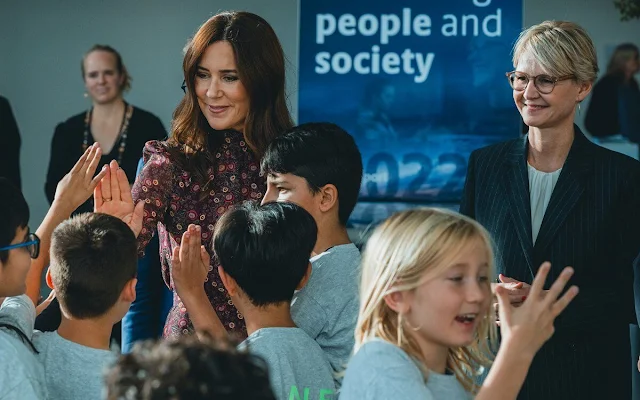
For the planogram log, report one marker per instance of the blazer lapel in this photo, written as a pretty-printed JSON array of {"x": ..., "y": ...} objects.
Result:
[
  {"x": 516, "y": 182},
  {"x": 568, "y": 189}
]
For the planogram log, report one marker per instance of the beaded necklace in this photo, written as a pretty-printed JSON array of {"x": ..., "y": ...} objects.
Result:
[{"x": 123, "y": 130}]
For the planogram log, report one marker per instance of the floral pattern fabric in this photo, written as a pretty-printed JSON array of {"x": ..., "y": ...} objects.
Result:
[{"x": 173, "y": 201}]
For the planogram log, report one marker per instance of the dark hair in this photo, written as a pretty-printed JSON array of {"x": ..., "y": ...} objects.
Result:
[
  {"x": 93, "y": 256},
  {"x": 261, "y": 68},
  {"x": 122, "y": 70},
  {"x": 266, "y": 248},
  {"x": 322, "y": 154},
  {"x": 15, "y": 214},
  {"x": 188, "y": 369}
]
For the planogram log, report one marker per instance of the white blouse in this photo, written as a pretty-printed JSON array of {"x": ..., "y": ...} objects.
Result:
[{"x": 541, "y": 186}]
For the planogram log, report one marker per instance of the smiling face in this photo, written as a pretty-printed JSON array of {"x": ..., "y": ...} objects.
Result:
[
  {"x": 547, "y": 110},
  {"x": 221, "y": 95},
  {"x": 13, "y": 272},
  {"x": 445, "y": 311},
  {"x": 102, "y": 79}
]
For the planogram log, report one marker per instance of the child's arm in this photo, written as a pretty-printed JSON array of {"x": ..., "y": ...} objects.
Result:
[
  {"x": 524, "y": 330},
  {"x": 189, "y": 268},
  {"x": 73, "y": 190}
]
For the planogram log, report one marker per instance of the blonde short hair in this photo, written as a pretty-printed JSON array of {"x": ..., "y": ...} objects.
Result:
[
  {"x": 407, "y": 248},
  {"x": 561, "y": 47}
]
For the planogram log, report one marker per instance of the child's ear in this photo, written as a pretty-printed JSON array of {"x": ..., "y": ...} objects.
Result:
[
  {"x": 128, "y": 293},
  {"x": 398, "y": 302},
  {"x": 228, "y": 282},
  {"x": 49, "y": 280},
  {"x": 305, "y": 278},
  {"x": 328, "y": 197}
]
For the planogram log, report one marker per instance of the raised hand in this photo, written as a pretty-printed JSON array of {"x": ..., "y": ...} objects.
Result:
[
  {"x": 78, "y": 184},
  {"x": 189, "y": 263},
  {"x": 528, "y": 327},
  {"x": 113, "y": 196}
]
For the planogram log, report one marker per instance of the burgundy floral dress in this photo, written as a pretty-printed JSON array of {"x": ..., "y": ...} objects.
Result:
[{"x": 173, "y": 202}]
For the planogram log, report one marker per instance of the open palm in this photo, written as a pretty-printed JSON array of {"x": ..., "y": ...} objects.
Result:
[{"x": 113, "y": 196}]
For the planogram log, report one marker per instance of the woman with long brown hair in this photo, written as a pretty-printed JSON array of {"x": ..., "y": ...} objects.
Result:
[
  {"x": 615, "y": 102},
  {"x": 234, "y": 104}
]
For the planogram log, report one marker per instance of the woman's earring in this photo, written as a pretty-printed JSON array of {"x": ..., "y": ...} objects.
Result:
[{"x": 86, "y": 95}]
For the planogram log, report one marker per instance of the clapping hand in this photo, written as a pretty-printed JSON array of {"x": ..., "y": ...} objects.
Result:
[
  {"x": 78, "y": 184},
  {"x": 528, "y": 327},
  {"x": 113, "y": 196},
  {"x": 189, "y": 263}
]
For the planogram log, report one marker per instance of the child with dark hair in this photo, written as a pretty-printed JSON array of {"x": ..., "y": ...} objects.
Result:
[
  {"x": 23, "y": 256},
  {"x": 93, "y": 271},
  {"x": 318, "y": 166},
  {"x": 264, "y": 257},
  {"x": 188, "y": 369}
]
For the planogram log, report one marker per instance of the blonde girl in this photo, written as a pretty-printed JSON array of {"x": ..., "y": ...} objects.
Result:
[{"x": 426, "y": 322}]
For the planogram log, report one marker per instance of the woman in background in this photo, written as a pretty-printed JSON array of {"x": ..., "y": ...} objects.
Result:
[
  {"x": 615, "y": 102},
  {"x": 119, "y": 128}
]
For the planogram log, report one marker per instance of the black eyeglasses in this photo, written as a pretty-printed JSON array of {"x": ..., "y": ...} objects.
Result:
[
  {"x": 544, "y": 83},
  {"x": 32, "y": 244},
  {"x": 184, "y": 86}
]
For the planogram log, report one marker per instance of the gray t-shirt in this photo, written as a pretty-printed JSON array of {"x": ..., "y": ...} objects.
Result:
[
  {"x": 382, "y": 371},
  {"x": 21, "y": 375},
  {"x": 72, "y": 371},
  {"x": 327, "y": 307},
  {"x": 298, "y": 368}
]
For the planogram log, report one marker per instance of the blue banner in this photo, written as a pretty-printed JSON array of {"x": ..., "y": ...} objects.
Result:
[{"x": 419, "y": 84}]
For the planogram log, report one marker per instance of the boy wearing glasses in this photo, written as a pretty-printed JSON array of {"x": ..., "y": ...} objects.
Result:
[
  {"x": 21, "y": 265},
  {"x": 21, "y": 376}
]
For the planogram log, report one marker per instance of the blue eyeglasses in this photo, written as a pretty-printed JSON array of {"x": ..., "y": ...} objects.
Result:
[{"x": 32, "y": 244}]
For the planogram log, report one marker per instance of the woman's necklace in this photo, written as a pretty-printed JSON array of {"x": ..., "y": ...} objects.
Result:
[{"x": 122, "y": 135}]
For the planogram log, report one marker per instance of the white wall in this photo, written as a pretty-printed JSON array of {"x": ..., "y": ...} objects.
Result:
[{"x": 42, "y": 41}]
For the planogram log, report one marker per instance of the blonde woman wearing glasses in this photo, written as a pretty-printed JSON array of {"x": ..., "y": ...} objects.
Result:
[{"x": 555, "y": 196}]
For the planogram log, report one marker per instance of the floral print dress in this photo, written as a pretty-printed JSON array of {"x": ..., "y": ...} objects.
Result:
[{"x": 173, "y": 201}]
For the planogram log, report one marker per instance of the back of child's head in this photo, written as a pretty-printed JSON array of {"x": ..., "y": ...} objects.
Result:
[
  {"x": 265, "y": 249},
  {"x": 188, "y": 369},
  {"x": 15, "y": 214},
  {"x": 322, "y": 154},
  {"x": 93, "y": 256},
  {"x": 406, "y": 250}
]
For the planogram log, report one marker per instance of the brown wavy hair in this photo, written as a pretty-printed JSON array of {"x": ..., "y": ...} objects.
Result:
[{"x": 261, "y": 69}]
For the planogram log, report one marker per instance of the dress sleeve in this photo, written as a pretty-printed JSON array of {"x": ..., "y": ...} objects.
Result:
[{"x": 153, "y": 185}]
